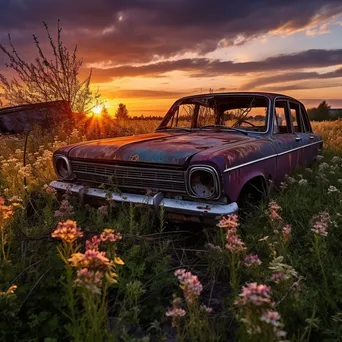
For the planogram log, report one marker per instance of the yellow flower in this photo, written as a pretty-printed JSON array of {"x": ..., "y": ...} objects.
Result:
[
  {"x": 9, "y": 291},
  {"x": 67, "y": 231},
  {"x": 118, "y": 261}
]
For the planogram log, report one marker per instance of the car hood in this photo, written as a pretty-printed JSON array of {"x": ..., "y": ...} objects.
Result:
[{"x": 158, "y": 148}]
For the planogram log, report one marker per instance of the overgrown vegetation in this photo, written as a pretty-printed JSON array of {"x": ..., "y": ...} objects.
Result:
[
  {"x": 52, "y": 75},
  {"x": 122, "y": 274}
]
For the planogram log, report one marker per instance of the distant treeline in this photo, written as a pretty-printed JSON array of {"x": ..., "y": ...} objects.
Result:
[{"x": 324, "y": 112}]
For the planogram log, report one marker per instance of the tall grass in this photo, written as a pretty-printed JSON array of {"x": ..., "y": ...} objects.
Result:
[{"x": 203, "y": 284}]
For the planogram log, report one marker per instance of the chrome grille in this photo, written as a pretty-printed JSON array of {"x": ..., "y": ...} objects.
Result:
[{"x": 130, "y": 177}]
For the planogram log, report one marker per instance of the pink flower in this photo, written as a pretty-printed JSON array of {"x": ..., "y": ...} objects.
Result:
[
  {"x": 190, "y": 284},
  {"x": 273, "y": 213},
  {"x": 229, "y": 222},
  {"x": 175, "y": 312},
  {"x": 94, "y": 243},
  {"x": 234, "y": 242},
  {"x": 272, "y": 317},
  {"x": 109, "y": 235},
  {"x": 320, "y": 223},
  {"x": 254, "y": 294},
  {"x": 252, "y": 260},
  {"x": 65, "y": 209},
  {"x": 278, "y": 277},
  {"x": 89, "y": 279},
  {"x": 287, "y": 231}
]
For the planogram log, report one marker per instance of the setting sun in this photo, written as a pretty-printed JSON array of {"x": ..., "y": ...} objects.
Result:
[{"x": 97, "y": 110}]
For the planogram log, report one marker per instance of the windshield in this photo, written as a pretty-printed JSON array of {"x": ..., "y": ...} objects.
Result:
[{"x": 246, "y": 112}]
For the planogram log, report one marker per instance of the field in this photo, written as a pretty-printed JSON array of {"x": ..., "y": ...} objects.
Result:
[{"x": 73, "y": 273}]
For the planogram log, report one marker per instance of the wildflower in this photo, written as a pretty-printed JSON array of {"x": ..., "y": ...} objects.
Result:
[
  {"x": 65, "y": 209},
  {"x": 273, "y": 318},
  {"x": 287, "y": 231},
  {"x": 340, "y": 181},
  {"x": 91, "y": 259},
  {"x": 234, "y": 243},
  {"x": 303, "y": 182},
  {"x": 49, "y": 190},
  {"x": 272, "y": 212},
  {"x": 290, "y": 180},
  {"x": 320, "y": 224},
  {"x": 109, "y": 235},
  {"x": 11, "y": 290},
  {"x": 206, "y": 309},
  {"x": 252, "y": 260},
  {"x": 332, "y": 189},
  {"x": 278, "y": 277},
  {"x": 94, "y": 243},
  {"x": 319, "y": 157},
  {"x": 176, "y": 312},
  {"x": 336, "y": 159},
  {"x": 254, "y": 294},
  {"x": 308, "y": 170},
  {"x": 190, "y": 284},
  {"x": 89, "y": 279},
  {"x": 323, "y": 166},
  {"x": 67, "y": 231},
  {"x": 229, "y": 222},
  {"x": 103, "y": 210},
  {"x": 283, "y": 185}
]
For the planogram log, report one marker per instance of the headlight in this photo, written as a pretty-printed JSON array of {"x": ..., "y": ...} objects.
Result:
[
  {"x": 203, "y": 182},
  {"x": 62, "y": 167}
]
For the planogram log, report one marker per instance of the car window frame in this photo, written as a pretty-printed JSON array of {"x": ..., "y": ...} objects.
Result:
[{"x": 287, "y": 116}]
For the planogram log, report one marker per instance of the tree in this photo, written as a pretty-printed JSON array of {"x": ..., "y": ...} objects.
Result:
[
  {"x": 47, "y": 79},
  {"x": 320, "y": 113},
  {"x": 122, "y": 112}
]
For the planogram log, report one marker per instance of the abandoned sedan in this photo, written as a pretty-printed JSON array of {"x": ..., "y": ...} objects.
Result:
[{"x": 210, "y": 155}]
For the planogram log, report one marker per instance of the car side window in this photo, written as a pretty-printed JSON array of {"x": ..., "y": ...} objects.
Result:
[
  {"x": 281, "y": 122},
  {"x": 305, "y": 118},
  {"x": 296, "y": 117}
]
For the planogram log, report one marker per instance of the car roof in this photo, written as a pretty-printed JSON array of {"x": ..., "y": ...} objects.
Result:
[{"x": 269, "y": 95}]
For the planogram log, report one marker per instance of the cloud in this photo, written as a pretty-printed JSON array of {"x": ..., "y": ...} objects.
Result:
[
  {"x": 292, "y": 76},
  {"x": 141, "y": 94},
  {"x": 136, "y": 31},
  {"x": 300, "y": 86},
  {"x": 204, "y": 67}
]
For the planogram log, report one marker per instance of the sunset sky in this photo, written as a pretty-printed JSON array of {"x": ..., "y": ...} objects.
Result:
[{"x": 147, "y": 53}]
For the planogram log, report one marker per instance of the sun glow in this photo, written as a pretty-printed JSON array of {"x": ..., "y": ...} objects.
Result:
[{"x": 97, "y": 110}]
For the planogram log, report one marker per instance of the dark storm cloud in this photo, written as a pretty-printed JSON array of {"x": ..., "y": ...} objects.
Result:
[
  {"x": 203, "y": 67},
  {"x": 292, "y": 76},
  {"x": 130, "y": 31}
]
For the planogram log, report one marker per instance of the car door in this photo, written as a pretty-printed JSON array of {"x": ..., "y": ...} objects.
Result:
[
  {"x": 314, "y": 141},
  {"x": 302, "y": 136},
  {"x": 286, "y": 142}
]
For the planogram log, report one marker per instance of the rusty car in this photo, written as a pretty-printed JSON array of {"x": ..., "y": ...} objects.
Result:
[{"x": 211, "y": 155}]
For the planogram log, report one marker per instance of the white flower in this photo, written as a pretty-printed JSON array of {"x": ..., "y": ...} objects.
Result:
[
  {"x": 319, "y": 157},
  {"x": 336, "y": 160},
  {"x": 303, "y": 182},
  {"x": 332, "y": 189}
]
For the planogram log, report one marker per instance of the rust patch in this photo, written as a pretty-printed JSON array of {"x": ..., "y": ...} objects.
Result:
[{"x": 134, "y": 157}]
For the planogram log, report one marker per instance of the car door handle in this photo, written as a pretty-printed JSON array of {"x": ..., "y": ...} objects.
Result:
[
  {"x": 298, "y": 139},
  {"x": 311, "y": 137}
]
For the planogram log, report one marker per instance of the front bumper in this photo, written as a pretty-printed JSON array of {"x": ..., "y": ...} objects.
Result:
[{"x": 173, "y": 206}]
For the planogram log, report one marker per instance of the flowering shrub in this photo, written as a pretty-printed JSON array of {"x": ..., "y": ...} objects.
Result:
[{"x": 256, "y": 312}]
